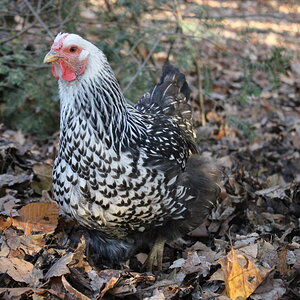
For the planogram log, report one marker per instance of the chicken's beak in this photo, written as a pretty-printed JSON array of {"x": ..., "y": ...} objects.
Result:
[{"x": 51, "y": 57}]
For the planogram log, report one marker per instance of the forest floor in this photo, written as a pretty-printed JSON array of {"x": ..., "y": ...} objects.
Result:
[{"x": 248, "y": 247}]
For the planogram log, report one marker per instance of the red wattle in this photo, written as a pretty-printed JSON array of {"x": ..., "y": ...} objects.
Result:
[
  {"x": 67, "y": 73},
  {"x": 54, "y": 72}
]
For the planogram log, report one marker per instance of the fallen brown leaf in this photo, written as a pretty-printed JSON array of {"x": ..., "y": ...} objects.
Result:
[
  {"x": 28, "y": 244},
  {"x": 157, "y": 295},
  {"x": 19, "y": 269},
  {"x": 60, "y": 267},
  {"x": 79, "y": 259},
  {"x": 7, "y": 205},
  {"x": 37, "y": 217},
  {"x": 282, "y": 266},
  {"x": 74, "y": 293},
  {"x": 242, "y": 277},
  {"x": 4, "y": 250},
  {"x": 13, "y": 293},
  {"x": 43, "y": 179},
  {"x": 195, "y": 263},
  {"x": 128, "y": 285},
  {"x": 110, "y": 285},
  {"x": 5, "y": 223},
  {"x": 141, "y": 257},
  {"x": 218, "y": 275}
]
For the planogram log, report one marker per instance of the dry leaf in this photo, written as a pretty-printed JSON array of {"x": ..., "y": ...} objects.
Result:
[
  {"x": 157, "y": 295},
  {"x": 178, "y": 263},
  {"x": 60, "y": 267},
  {"x": 288, "y": 79},
  {"x": 110, "y": 285},
  {"x": 218, "y": 275},
  {"x": 7, "y": 205},
  {"x": 27, "y": 244},
  {"x": 128, "y": 285},
  {"x": 37, "y": 217},
  {"x": 141, "y": 257},
  {"x": 240, "y": 280},
  {"x": 4, "y": 251},
  {"x": 200, "y": 231},
  {"x": 282, "y": 266},
  {"x": 5, "y": 223},
  {"x": 15, "y": 293},
  {"x": 23, "y": 244},
  {"x": 11, "y": 180},
  {"x": 43, "y": 177},
  {"x": 195, "y": 263},
  {"x": 79, "y": 258},
  {"x": 73, "y": 260},
  {"x": 19, "y": 269},
  {"x": 74, "y": 293}
]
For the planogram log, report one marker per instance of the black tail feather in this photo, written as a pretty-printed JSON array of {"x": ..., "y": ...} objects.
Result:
[{"x": 170, "y": 97}]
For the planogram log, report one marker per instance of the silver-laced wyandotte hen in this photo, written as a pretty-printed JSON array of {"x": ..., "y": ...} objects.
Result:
[{"x": 130, "y": 175}]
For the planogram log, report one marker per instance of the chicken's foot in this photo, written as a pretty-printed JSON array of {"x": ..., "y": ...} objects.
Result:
[{"x": 155, "y": 256}]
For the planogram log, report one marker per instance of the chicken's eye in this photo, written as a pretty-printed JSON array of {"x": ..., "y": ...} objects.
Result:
[{"x": 73, "y": 49}]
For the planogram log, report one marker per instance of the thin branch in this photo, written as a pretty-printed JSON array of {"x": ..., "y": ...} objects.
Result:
[
  {"x": 67, "y": 18},
  {"x": 60, "y": 16},
  {"x": 34, "y": 66},
  {"x": 130, "y": 53},
  {"x": 143, "y": 64},
  {"x": 177, "y": 13},
  {"x": 36, "y": 15},
  {"x": 19, "y": 33}
]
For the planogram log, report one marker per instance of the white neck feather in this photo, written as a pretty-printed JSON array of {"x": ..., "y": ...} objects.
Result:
[{"x": 96, "y": 97}]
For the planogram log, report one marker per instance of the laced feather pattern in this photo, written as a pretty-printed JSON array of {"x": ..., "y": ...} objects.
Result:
[{"x": 128, "y": 173}]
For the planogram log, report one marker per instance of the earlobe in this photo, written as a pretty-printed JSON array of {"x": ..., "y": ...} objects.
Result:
[
  {"x": 54, "y": 72},
  {"x": 82, "y": 68}
]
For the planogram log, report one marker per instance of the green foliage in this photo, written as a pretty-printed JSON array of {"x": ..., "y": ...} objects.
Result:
[
  {"x": 245, "y": 127},
  {"x": 274, "y": 65},
  {"x": 28, "y": 93},
  {"x": 249, "y": 87}
]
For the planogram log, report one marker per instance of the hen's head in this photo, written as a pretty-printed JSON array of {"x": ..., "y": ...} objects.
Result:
[{"x": 72, "y": 56}]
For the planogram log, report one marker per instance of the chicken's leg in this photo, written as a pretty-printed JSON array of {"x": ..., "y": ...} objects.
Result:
[{"x": 156, "y": 254}]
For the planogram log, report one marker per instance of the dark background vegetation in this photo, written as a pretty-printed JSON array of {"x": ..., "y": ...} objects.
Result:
[{"x": 138, "y": 37}]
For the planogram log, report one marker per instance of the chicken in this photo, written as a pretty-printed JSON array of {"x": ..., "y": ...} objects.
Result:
[{"x": 132, "y": 176}]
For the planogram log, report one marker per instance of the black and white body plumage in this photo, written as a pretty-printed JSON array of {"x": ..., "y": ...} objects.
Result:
[{"x": 127, "y": 174}]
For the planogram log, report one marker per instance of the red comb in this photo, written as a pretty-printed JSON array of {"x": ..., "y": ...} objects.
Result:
[{"x": 58, "y": 45}]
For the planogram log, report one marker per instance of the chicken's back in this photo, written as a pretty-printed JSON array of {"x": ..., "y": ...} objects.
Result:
[{"x": 170, "y": 97}]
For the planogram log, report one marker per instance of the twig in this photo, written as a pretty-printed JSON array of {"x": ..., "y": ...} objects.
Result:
[
  {"x": 60, "y": 16},
  {"x": 143, "y": 64},
  {"x": 200, "y": 94},
  {"x": 19, "y": 33},
  {"x": 130, "y": 53},
  {"x": 35, "y": 66},
  {"x": 178, "y": 20},
  {"x": 36, "y": 15},
  {"x": 67, "y": 18},
  {"x": 108, "y": 6}
]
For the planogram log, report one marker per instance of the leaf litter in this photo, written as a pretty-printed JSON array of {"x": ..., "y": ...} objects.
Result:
[{"x": 248, "y": 247}]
